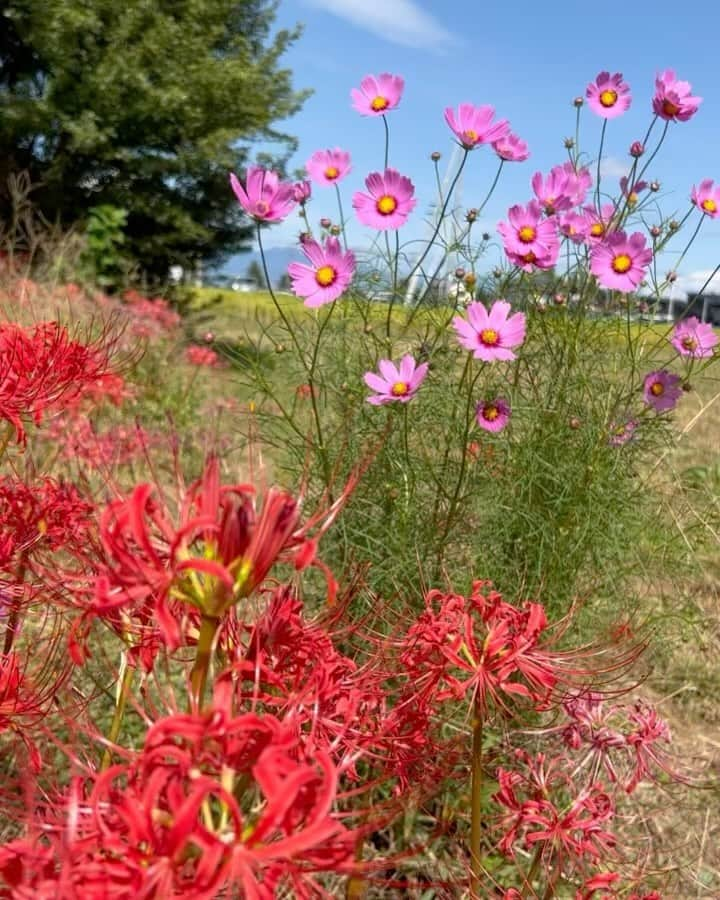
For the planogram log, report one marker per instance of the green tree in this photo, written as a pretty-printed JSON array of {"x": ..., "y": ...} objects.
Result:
[
  {"x": 255, "y": 271},
  {"x": 145, "y": 106}
]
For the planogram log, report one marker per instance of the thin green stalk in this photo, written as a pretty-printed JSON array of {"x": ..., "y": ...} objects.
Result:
[
  {"x": 476, "y": 806},
  {"x": 394, "y": 264},
  {"x": 118, "y": 714},
  {"x": 599, "y": 160},
  {"x": 342, "y": 216},
  {"x": 387, "y": 140},
  {"x": 203, "y": 656}
]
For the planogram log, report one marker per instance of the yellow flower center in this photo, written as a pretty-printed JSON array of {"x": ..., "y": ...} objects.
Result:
[
  {"x": 489, "y": 337},
  {"x": 332, "y": 172},
  {"x": 471, "y": 136},
  {"x": 379, "y": 103},
  {"x": 529, "y": 257},
  {"x": 325, "y": 276},
  {"x": 669, "y": 108},
  {"x": 400, "y": 389},
  {"x": 386, "y": 205},
  {"x": 709, "y": 205},
  {"x": 526, "y": 234},
  {"x": 689, "y": 343},
  {"x": 632, "y": 198},
  {"x": 490, "y": 412},
  {"x": 608, "y": 98},
  {"x": 597, "y": 230},
  {"x": 657, "y": 389},
  {"x": 621, "y": 263},
  {"x": 262, "y": 208}
]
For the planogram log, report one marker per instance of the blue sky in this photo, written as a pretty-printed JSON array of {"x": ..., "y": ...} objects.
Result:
[{"x": 528, "y": 60}]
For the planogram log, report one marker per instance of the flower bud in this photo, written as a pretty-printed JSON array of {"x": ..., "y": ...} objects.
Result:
[
  {"x": 637, "y": 148},
  {"x": 654, "y": 186},
  {"x": 578, "y": 101},
  {"x": 574, "y": 423},
  {"x": 471, "y": 215},
  {"x": 497, "y": 273},
  {"x": 569, "y": 143},
  {"x": 435, "y": 155},
  {"x": 209, "y": 337},
  {"x": 335, "y": 230},
  {"x": 671, "y": 276},
  {"x": 459, "y": 272},
  {"x": 305, "y": 237},
  {"x": 673, "y": 225},
  {"x": 325, "y": 222},
  {"x": 559, "y": 299},
  {"x": 470, "y": 280},
  {"x": 656, "y": 231}
]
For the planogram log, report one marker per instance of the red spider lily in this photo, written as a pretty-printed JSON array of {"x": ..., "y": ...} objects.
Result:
[
  {"x": 220, "y": 550},
  {"x": 627, "y": 742},
  {"x": 546, "y": 810},
  {"x": 214, "y": 805},
  {"x": 498, "y": 647},
  {"x": 41, "y": 366},
  {"x": 44, "y": 515}
]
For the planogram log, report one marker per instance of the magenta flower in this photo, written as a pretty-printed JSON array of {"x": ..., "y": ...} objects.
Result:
[
  {"x": 493, "y": 415},
  {"x": 552, "y": 190},
  {"x": 632, "y": 192},
  {"x": 707, "y": 198},
  {"x": 694, "y": 338},
  {"x": 395, "y": 383},
  {"x": 302, "y": 191},
  {"x": 378, "y": 94},
  {"x": 473, "y": 125},
  {"x": 574, "y": 226},
  {"x": 661, "y": 390},
  {"x": 672, "y": 100},
  {"x": 327, "y": 167},
  {"x": 598, "y": 222},
  {"x": 578, "y": 184},
  {"x": 622, "y": 432},
  {"x": 264, "y": 197},
  {"x": 511, "y": 148},
  {"x": 619, "y": 262},
  {"x": 490, "y": 335},
  {"x": 530, "y": 260},
  {"x": 608, "y": 96},
  {"x": 526, "y": 231},
  {"x": 328, "y": 275},
  {"x": 389, "y": 200}
]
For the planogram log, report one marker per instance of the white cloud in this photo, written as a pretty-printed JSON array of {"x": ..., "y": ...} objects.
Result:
[
  {"x": 611, "y": 167},
  {"x": 695, "y": 281},
  {"x": 398, "y": 21}
]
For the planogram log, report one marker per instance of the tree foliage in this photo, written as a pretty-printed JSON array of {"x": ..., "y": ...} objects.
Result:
[{"x": 145, "y": 106}]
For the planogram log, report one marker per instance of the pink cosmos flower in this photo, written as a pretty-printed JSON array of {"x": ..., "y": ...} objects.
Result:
[
  {"x": 694, "y": 338},
  {"x": 473, "y": 125},
  {"x": 598, "y": 221},
  {"x": 328, "y": 275},
  {"x": 632, "y": 192},
  {"x": 526, "y": 231},
  {"x": 673, "y": 101},
  {"x": 493, "y": 415},
  {"x": 619, "y": 262},
  {"x": 377, "y": 94},
  {"x": 552, "y": 191},
  {"x": 608, "y": 96},
  {"x": 622, "y": 432},
  {"x": 578, "y": 184},
  {"x": 395, "y": 383},
  {"x": 707, "y": 198},
  {"x": 511, "y": 148},
  {"x": 201, "y": 356},
  {"x": 264, "y": 197},
  {"x": 302, "y": 191},
  {"x": 490, "y": 335},
  {"x": 529, "y": 260},
  {"x": 574, "y": 226},
  {"x": 327, "y": 167},
  {"x": 662, "y": 390},
  {"x": 389, "y": 202}
]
